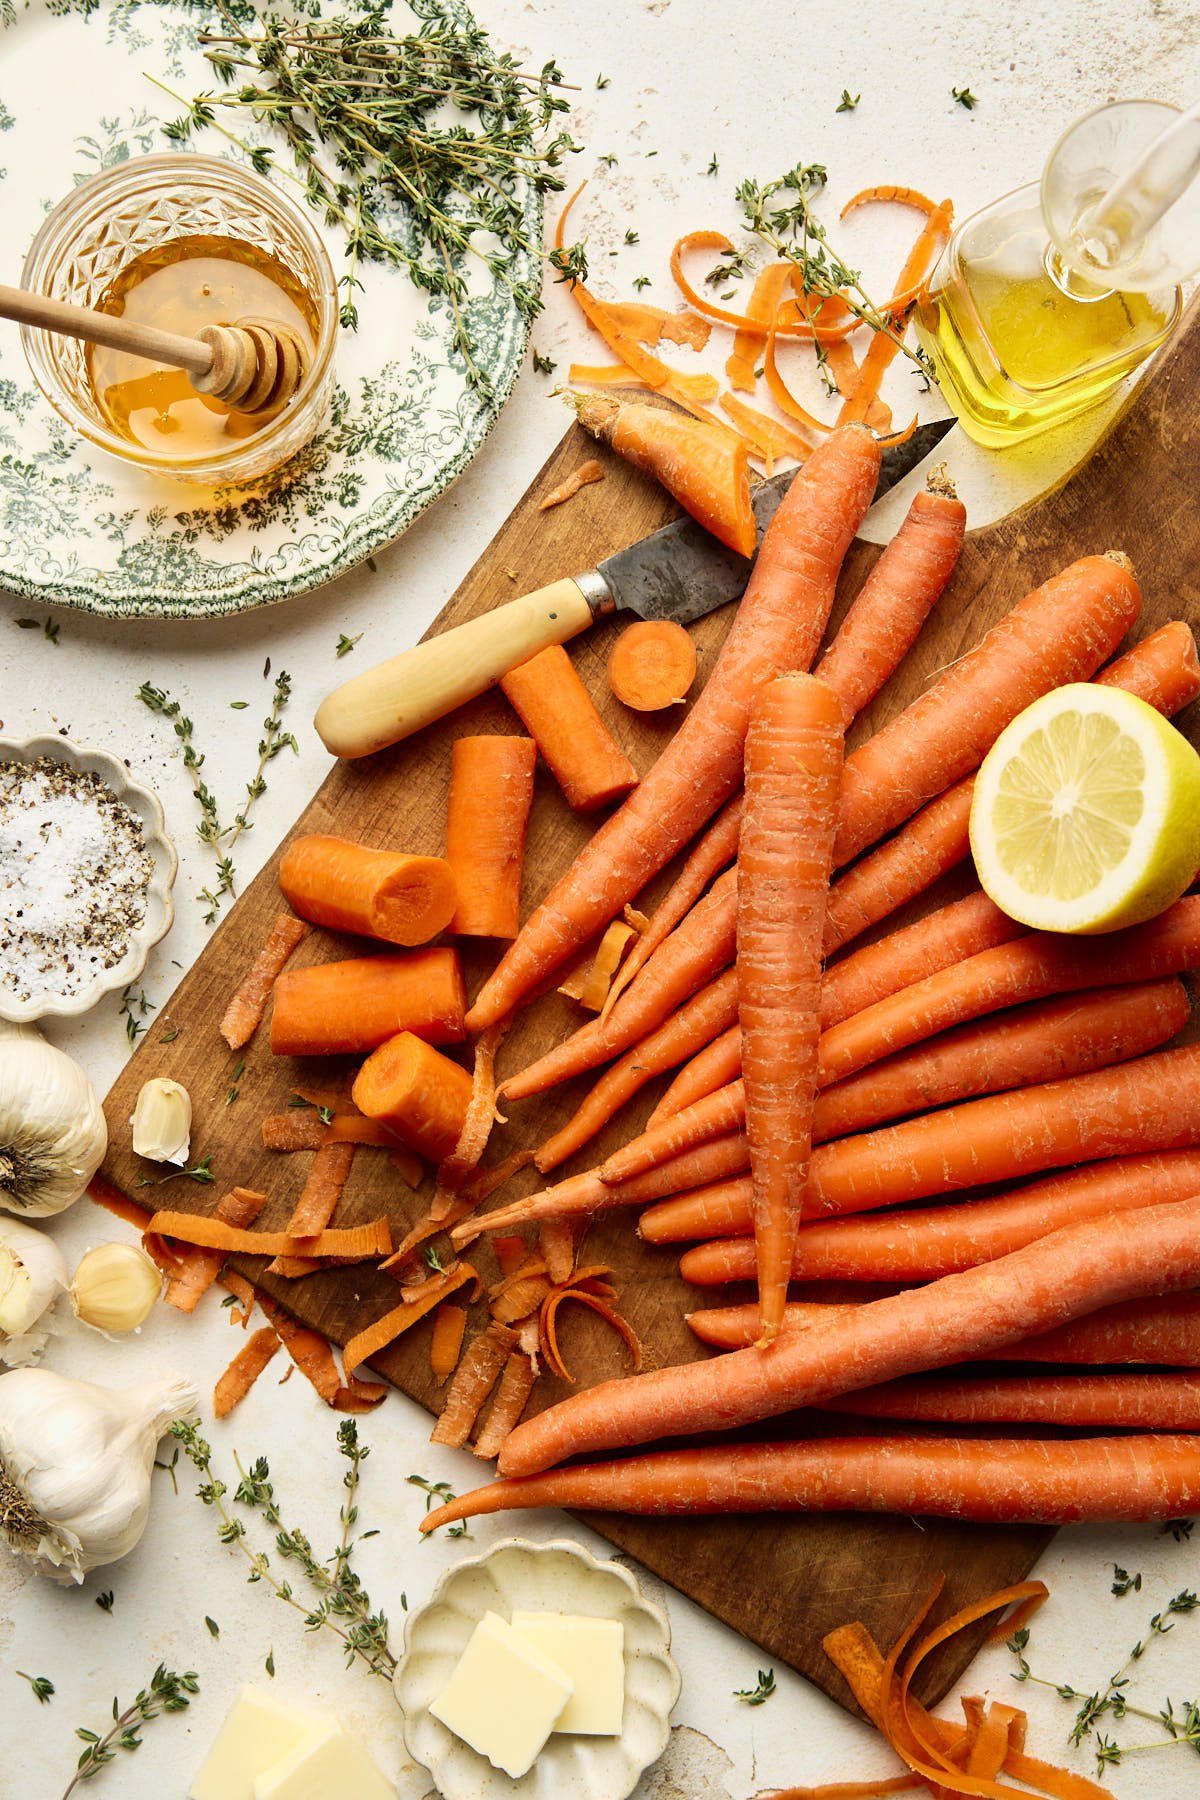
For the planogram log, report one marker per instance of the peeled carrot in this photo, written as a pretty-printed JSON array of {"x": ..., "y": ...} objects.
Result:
[
  {"x": 922, "y": 1242},
  {"x": 713, "y": 1116},
  {"x": 652, "y": 664},
  {"x": 373, "y": 893},
  {"x": 579, "y": 750},
  {"x": 1060, "y": 632},
  {"x": 332, "y": 1009},
  {"x": 704, "y": 467},
  {"x": 1028, "y": 968},
  {"x": 696, "y": 1021},
  {"x": 897, "y": 597},
  {"x": 491, "y": 792},
  {"x": 1145, "y": 1402},
  {"x": 1047, "y": 1481},
  {"x": 794, "y": 752},
  {"x": 778, "y": 627},
  {"x": 416, "y": 1092},
  {"x": 954, "y": 1319}
]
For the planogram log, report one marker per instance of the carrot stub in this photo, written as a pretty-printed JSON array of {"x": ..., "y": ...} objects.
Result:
[
  {"x": 557, "y": 711},
  {"x": 491, "y": 792},
  {"x": 244, "y": 1013},
  {"x": 651, "y": 665},
  {"x": 416, "y": 1092},
  {"x": 373, "y": 893},
  {"x": 340, "y": 1008}
]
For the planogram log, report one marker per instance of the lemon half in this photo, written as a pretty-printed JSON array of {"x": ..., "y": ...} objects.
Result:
[{"x": 1086, "y": 813}]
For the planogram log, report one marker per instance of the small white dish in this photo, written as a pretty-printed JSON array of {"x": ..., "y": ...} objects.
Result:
[
  {"x": 160, "y": 910},
  {"x": 556, "y": 1577}
]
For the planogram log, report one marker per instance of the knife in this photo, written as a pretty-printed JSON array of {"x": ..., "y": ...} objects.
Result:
[{"x": 679, "y": 572}]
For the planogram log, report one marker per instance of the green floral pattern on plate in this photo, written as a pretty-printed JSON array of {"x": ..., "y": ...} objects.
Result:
[{"x": 83, "y": 529}]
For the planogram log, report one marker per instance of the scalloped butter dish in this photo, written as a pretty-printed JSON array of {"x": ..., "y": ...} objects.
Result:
[
  {"x": 517, "y": 1576},
  {"x": 86, "y": 869}
]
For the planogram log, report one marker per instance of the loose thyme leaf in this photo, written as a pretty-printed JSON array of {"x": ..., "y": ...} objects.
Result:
[
  {"x": 105, "y": 1600},
  {"x": 543, "y": 364},
  {"x": 346, "y": 644},
  {"x": 269, "y": 1665},
  {"x": 965, "y": 98},
  {"x": 848, "y": 101},
  {"x": 756, "y": 1695},
  {"x": 1125, "y": 1583},
  {"x": 602, "y": 81},
  {"x": 214, "y": 1630},
  {"x": 714, "y": 167},
  {"x": 42, "y": 1686}
]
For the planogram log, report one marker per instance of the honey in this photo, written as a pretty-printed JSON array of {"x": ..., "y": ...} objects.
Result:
[{"x": 182, "y": 285}]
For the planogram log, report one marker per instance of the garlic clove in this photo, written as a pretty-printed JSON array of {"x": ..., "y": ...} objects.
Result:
[
  {"x": 162, "y": 1121},
  {"x": 32, "y": 1275},
  {"x": 115, "y": 1287}
]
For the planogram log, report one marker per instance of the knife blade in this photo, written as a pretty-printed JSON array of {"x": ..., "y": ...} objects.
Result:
[{"x": 679, "y": 572}]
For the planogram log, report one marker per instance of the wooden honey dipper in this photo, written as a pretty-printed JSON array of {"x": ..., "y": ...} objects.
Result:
[{"x": 256, "y": 365}]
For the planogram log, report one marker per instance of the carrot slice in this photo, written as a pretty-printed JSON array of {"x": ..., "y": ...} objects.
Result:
[
  {"x": 474, "y": 1380},
  {"x": 374, "y": 893},
  {"x": 416, "y": 1093},
  {"x": 449, "y": 1326},
  {"x": 244, "y": 1013},
  {"x": 244, "y": 1370},
  {"x": 374, "y": 1338},
  {"x": 318, "y": 1200},
  {"x": 582, "y": 477},
  {"x": 508, "y": 1403},
  {"x": 196, "y": 1270},
  {"x": 358, "y": 1241},
  {"x": 652, "y": 665}
]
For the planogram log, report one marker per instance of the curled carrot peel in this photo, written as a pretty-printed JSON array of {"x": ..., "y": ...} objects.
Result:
[
  {"x": 548, "y": 1333},
  {"x": 898, "y": 196},
  {"x": 764, "y": 305}
]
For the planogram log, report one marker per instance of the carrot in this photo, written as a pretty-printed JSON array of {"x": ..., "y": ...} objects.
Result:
[
  {"x": 652, "y": 664},
  {"x": 243, "y": 1015},
  {"x": 491, "y": 792},
  {"x": 953, "y": 1319},
  {"x": 416, "y": 1092},
  {"x": 449, "y": 1326},
  {"x": 474, "y": 1379},
  {"x": 507, "y": 1404},
  {"x": 1158, "y": 1330},
  {"x": 244, "y": 1370},
  {"x": 1143, "y": 1402},
  {"x": 988, "y": 1480},
  {"x": 778, "y": 627},
  {"x": 897, "y": 597},
  {"x": 373, "y": 893},
  {"x": 714, "y": 1067},
  {"x": 316, "y": 1206},
  {"x": 579, "y": 750},
  {"x": 696, "y": 1022},
  {"x": 1028, "y": 968},
  {"x": 194, "y": 1271},
  {"x": 923, "y": 1242},
  {"x": 702, "y": 466},
  {"x": 359, "y": 1242},
  {"x": 582, "y": 477},
  {"x": 714, "y": 1116},
  {"x": 793, "y": 771},
  {"x": 337, "y": 1008},
  {"x": 1060, "y": 632}
]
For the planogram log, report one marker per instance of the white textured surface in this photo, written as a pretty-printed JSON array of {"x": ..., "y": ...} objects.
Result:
[{"x": 756, "y": 85}]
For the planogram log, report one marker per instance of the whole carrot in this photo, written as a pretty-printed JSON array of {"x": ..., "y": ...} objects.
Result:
[
  {"x": 897, "y": 597},
  {"x": 954, "y": 1319},
  {"x": 938, "y": 941},
  {"x": 793, "y": 772},
  {"x": 714, "y": 1067},
  {"x": 1159, "y": 1402},
  {"x": 928, "y": 846},
  {"x": 778, "y": 627}
]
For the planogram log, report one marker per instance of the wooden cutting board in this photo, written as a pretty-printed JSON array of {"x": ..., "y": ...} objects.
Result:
[{"x": 782, "y": 1581}]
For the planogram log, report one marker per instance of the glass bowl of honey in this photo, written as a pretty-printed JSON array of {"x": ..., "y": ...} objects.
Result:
[{"x": 181, "y": 241}]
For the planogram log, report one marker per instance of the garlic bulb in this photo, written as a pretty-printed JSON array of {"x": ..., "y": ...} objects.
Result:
[
  {"x": 32, "y": 1275},
  {"x": 52, "y": 1131},
  {"x": 162, "y": 1121},
  {"x": 75, "y": 1464},
  {"x": 115, "y": 1287}
]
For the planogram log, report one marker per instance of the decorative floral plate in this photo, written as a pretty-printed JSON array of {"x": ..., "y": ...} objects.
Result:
[{"x": 83, "y": 529}]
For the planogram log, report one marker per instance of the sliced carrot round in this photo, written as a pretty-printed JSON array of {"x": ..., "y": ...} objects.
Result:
[{"x": 652, "y": 665}]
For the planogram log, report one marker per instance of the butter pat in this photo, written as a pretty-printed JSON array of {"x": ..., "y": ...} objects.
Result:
[
  {"x": 592, "y": 1652},
  {"x": 257, "y": 1733},
  {"x": 331, "y": 1765},
  {"x": 504, "y": 1696}
]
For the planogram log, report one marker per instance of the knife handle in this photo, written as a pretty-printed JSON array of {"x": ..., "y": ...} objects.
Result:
[{"x": 398, "y": 697}]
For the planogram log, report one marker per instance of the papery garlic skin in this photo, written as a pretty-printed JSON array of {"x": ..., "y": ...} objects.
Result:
[
  {"x": 32, "y": 1276},
  {"x": 115, "y": 1287},
  {"x": 162, "y": 1121},
  {"x": 52, "y": 1131},
  {"x": 75, "y": 1463}
]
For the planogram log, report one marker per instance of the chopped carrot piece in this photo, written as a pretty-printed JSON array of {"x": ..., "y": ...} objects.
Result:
[
  {"x": 449, "y": 1326},
  {"x": 491, "y": 792},
  {"x": 473, "y": 1381},
  {"x": 652, "y": 664},
  {"x": 374, "y": 893},
  {"x": 244, "y": 1013},
  {"x": 339, "y": 1008},
  {"x": 244, "y": 1370},
  {"x": 523, "y": 1295},
  {"x": 416, "y": 1092},
  {"x": 511, "y": 1252},
  {"x": 582, "y": 477},
  {"x": 576, "y": 745}
]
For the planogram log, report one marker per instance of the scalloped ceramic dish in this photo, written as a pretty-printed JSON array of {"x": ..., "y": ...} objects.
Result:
[
  {"x": 558, "y": 1577},
  {"x": 159, "y": 907}
]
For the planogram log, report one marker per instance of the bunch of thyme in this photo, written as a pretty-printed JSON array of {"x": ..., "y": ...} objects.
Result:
[
  {"x": 339, "y": 1602},
  {"x": 420, "y": 146},
  {"x": 780, "y": 214}
]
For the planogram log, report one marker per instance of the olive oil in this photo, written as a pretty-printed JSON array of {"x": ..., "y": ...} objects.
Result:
[
  {"x": 1020, "y": 343},
  {"x": 180, "y": 286}
]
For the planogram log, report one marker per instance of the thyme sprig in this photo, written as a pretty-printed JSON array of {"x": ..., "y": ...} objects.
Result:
[
  {"x": 780, "y": 214},
  {"x": 167, "y": 1693},
  {"x": 362, "y": 112},
  {"x": 338, "y": 1601}
]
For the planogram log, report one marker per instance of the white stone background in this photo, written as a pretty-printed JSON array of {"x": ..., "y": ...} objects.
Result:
[{"x": 756, "y": 85}]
